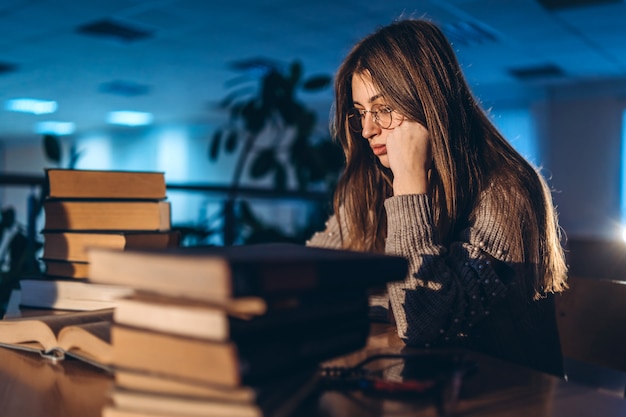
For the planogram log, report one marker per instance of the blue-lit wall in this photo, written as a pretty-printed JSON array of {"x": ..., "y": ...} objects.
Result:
[
  {"x": 573, "y": 133},
  {"x": 180, "y": 151}
]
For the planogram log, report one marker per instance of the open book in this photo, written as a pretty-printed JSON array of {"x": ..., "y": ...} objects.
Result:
[
  {"x": 35, "y": 387},
  {"x": 82, "y": 335}
]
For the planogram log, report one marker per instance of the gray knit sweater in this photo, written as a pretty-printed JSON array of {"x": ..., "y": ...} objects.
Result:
[{"x": 471, "y": 292}]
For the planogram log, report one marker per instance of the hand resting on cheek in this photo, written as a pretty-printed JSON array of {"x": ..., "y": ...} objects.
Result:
[{"x": 410, "y": 157}]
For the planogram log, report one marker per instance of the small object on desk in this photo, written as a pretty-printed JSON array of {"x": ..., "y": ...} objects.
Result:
[{"x": 429, "y": 375}]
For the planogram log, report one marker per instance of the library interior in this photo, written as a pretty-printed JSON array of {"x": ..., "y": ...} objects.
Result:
[{"x": 181, "y": 181}]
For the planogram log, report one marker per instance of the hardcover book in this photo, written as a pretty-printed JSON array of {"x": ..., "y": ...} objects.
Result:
[
  {"x": 224, "y": 323},
  {"x": 74, "y": 183},
  {"x": 231, "y": 364},
  {"x": 263, "y": 270},
  {"x": 276, "y": 400},
  {"x": 106, "y": 215},
  {"x": 129, "y": 380},
  {"x": 70, "y": 294},
  {"x": 56, "y": 268},
  {"x": 72, "y": 245}
]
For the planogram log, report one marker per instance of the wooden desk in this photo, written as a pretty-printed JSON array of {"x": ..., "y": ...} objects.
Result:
[
  {"x": 497, "y": 388},
  {"x": 31, "y": 386}
]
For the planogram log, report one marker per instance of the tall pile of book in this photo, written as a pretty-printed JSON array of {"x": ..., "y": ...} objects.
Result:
[
  {"x": 87, "y": 208},
  {"x": 236, "y": 331}
]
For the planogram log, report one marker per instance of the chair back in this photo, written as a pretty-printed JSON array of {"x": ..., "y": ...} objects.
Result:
[{"x": 591, "y": 316}]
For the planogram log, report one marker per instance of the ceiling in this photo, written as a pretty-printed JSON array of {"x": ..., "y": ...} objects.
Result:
[{"x": 180, "y": 62}]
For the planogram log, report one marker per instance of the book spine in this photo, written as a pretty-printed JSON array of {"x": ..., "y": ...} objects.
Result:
[
  {"x": 266, "y": 278},
  {"x": 313, "y": 320},
  {"x": 258, "y": 364}
]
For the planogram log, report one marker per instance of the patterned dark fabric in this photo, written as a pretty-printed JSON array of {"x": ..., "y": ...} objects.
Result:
[{"x": 473, "y": 292}]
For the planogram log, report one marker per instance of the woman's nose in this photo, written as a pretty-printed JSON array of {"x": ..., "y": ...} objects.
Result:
[{"x": 370, "y": 127}]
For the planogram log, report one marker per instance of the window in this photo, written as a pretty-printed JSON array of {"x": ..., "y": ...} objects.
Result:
[{"x": 518, "y": 127}]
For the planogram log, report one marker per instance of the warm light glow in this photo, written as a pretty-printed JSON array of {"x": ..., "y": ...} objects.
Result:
[
  {"x": 129, "y": 118},
  {"x": 31, "y": 105}
]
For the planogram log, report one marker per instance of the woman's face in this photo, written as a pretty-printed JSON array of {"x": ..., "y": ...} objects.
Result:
[{"x": 367, "y": 99}]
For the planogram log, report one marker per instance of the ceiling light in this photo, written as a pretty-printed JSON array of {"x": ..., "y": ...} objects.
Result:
[
  {"x": 129, "y": 118},
  {"x": 55, "y": 128},
  {"x": 31, "y": 105}
]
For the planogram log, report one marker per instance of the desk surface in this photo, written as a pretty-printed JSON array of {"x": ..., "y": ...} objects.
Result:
[{"x": 31, "y": 386}]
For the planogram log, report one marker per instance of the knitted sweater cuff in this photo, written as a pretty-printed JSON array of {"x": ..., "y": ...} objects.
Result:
[{"x": 410, "y": 217}]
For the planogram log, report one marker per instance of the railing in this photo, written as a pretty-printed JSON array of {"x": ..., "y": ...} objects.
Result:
[{"x": 229, "y": 194}]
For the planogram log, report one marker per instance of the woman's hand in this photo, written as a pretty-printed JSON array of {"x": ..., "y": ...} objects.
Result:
[{"x": 410, "y": 158}]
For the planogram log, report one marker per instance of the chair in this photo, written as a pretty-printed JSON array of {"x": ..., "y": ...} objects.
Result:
[{"x": 591, "y": 316}]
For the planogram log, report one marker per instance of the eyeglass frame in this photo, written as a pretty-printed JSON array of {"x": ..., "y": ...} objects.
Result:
[{"x": 385, "y": 109}]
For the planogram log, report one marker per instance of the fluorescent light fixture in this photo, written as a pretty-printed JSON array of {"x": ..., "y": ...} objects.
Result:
[
  {"x": 130, "y": 118},
  {"x": 55, "y": 128},
  {"x": 31, "y": 105}
]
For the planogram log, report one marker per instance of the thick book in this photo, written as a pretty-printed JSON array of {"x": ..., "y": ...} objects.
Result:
[
  {"x": 221, "y": 323},
  {"x": 106, "y": 215},
  {"x": 149, "y": 383},
  {"x": 56, "y": 268},
  {"x": 232, "y": 364},
  {"x": 263, "y": 270},
  {"x": 70, "y": 295},
  {"x": 82, "y": 335},
  {"x": 74, "y": 183},
  {"x": 72, "y": 245},
  {"x": 279, "y": 401}
]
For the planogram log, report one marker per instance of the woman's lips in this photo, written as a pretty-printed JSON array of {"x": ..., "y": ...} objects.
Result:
[{"x": 379, "y": 150}]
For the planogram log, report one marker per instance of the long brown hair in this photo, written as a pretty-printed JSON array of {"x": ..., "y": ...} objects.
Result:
[{"x": 413, "y": 65}]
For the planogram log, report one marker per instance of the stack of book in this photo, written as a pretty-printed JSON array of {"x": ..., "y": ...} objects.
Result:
[
  {"x": 87, "y": 208},
  {"x": 235, "y": 331}
]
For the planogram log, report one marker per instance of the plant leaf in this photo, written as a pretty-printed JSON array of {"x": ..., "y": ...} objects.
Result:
[
  {"x": 52, "y": 148},
  {"x": 295, "y": 72},
  {"x": 231, "y": 142},
  {"x": 280, "y": 177},
  {"x": 214, "y": 147},
  {"x": 254, "y": 117},
  {"x": 234, "y": 95},
  {"x": 247, "y": 216},
  {"x": 75, "y": 155},
  {"x": 263, "y": 164}
]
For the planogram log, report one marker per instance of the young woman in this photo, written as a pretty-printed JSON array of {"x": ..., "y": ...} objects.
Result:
[{"x": 430, "y": 178}]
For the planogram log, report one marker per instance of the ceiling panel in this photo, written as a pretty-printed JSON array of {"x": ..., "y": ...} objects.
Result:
[{"x": 186, "y": 63}]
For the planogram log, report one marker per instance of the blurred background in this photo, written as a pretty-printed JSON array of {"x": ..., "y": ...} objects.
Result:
[{"x": 231, "y": 101}]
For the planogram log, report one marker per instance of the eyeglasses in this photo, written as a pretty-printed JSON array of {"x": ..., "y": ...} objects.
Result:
[{"x": 381, "y": 115}]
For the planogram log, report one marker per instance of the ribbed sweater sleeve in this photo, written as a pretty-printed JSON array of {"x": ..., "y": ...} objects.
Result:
[
  {"x": 329, "y": 237},
  {"x": 449, "y": 289}
]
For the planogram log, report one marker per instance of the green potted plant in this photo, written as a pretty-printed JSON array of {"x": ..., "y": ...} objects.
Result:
[{"x": 274, "y": 133}]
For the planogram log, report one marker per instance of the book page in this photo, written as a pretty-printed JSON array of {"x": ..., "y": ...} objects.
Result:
[
  {"x": 40, "y": 332},
  {"x": 57, "y": 321},
  {"x": 89, "y": 341}
]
